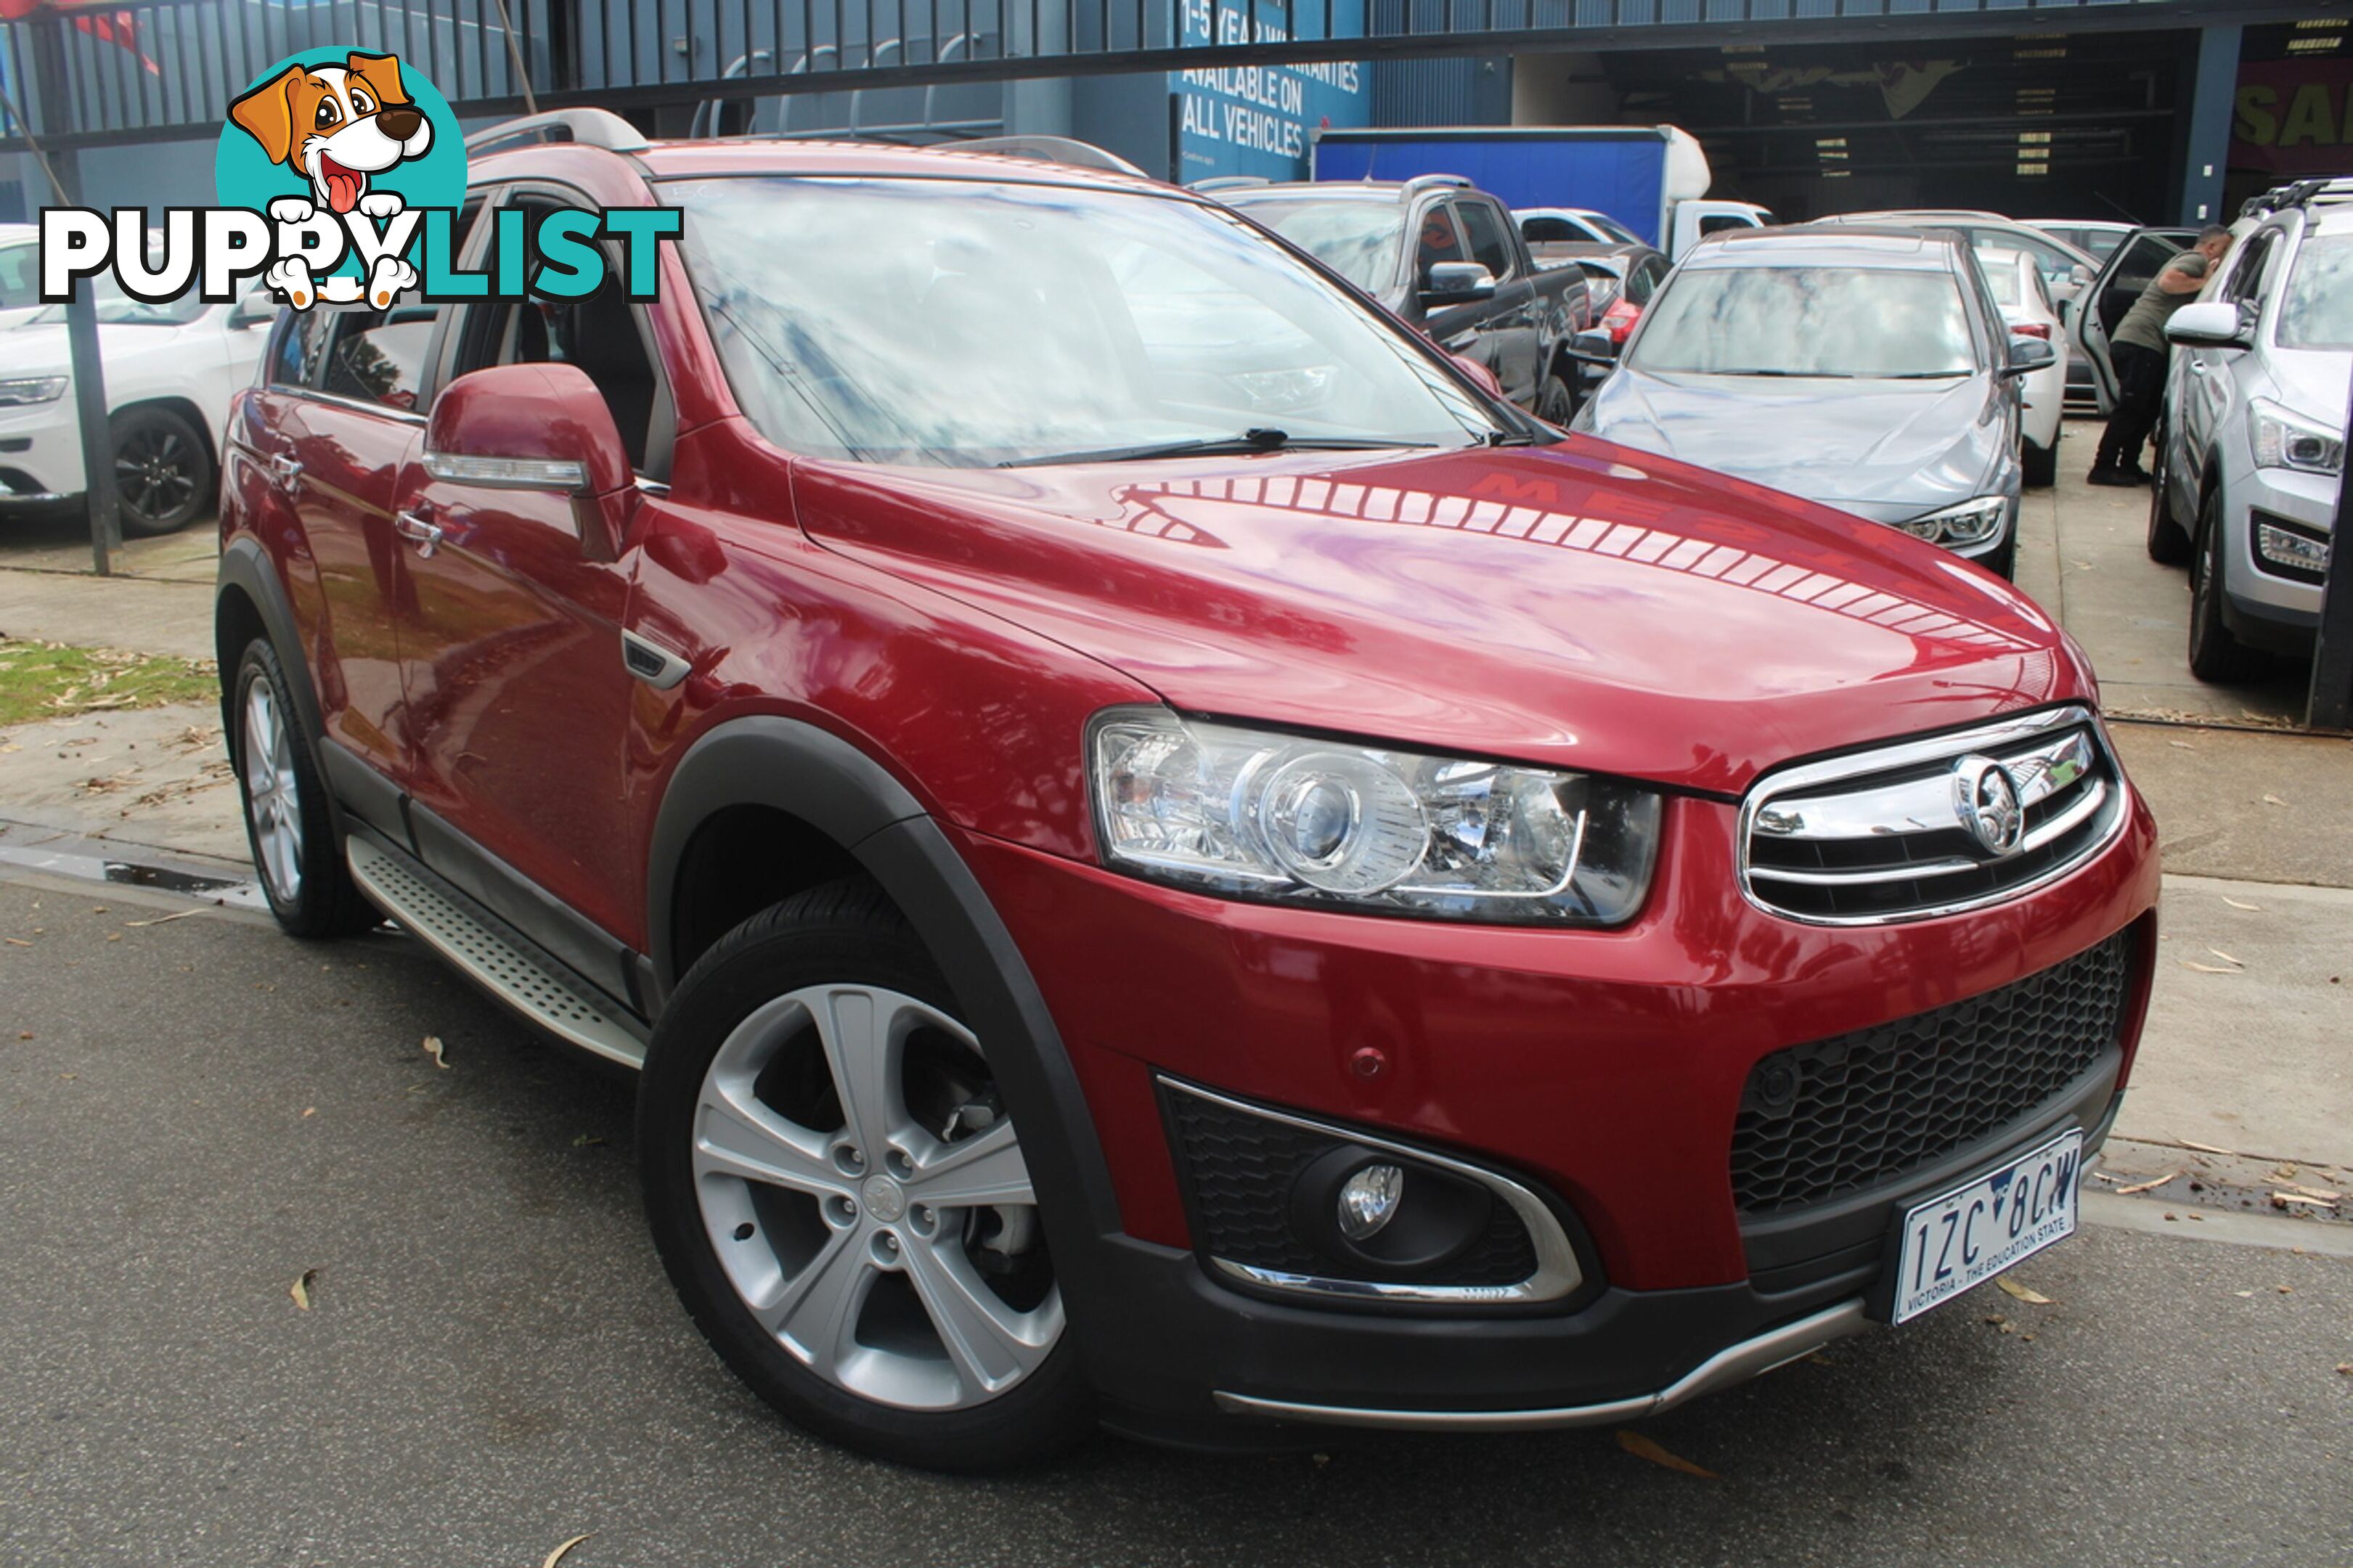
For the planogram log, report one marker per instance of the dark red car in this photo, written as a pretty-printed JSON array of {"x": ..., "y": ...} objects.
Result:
[{"x": 1169, "y": 861}]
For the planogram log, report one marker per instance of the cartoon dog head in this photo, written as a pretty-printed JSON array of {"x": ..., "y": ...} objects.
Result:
[{"x": 336, "y": 124}]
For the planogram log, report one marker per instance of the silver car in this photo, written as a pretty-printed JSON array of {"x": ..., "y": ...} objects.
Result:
[
  {"x": 1869, "y": 370},
  {"x": 2254, "y": 433}
]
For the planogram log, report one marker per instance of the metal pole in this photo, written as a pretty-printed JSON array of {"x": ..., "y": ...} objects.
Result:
[
  {"x": 82, "y": 320},
  {"x": 2330, "y": 704}
]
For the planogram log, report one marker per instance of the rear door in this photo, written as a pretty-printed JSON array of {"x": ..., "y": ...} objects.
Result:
[{"x": 2096, "y": 312}]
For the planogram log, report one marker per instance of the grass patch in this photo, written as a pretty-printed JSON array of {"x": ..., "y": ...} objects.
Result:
[{"x": 48, "y": 680}]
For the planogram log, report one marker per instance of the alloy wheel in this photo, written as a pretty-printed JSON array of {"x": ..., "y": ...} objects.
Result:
[
  {"x": 155, "y": 469},
  {"x": 869, "y": 1202},
  {"x": 273, "y": 797}
]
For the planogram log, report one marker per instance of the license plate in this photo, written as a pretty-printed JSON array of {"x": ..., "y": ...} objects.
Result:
[{"x": 1973, "y": 1232}]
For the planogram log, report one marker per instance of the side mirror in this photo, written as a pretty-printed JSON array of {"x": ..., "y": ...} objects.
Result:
[
  {"x": 256, "y": 309},
  {"x": 1478, "y": 372},
  {"x": 2209, "y": 324},
  {"x": 2079, "y": 275},
  {"x": 2028, "y": 356},
  {"x": 1594, "y": 346},
  {"x": 542, "y": 427},
  {"x": 1457, "y": 283}
]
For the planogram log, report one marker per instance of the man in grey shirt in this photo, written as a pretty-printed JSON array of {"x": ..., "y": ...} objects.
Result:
[{"x": 2137, "y": 350}]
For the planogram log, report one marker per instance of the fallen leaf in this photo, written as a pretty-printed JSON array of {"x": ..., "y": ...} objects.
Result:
[
  {"x": 2284, "y": 1200},
  {"x": 300, "y": 1288},
  {"x": 2206, "y": 1148},
  {"x": 310, "y": 1111},
  {"x": 2244, "y": 1295},
  {"x": 18, "y": 942},
  {"x": 433, "y": 1049},
  {"x": 1641, "y": 1448},
  {"x": 2209, "y": 968},
  {"x": 165, "y": 920},
  {"x": 2226, "y": 957},
  {"x": 2145, "y": 1187},
  {"x": 2251, "y": 909},
  {"x": 2285, "y": 1290},
  {"x": 2183, "y": 744},
  {"x": 2322, "y": 1193},
  {"x": 2274, "y": 800},
  {"x": 2345, "y": 1368},
  {"x": 558, "y": 1555},
  {"x": 24, "y": 1034},
  {"x": 2025, "y": 1294}
]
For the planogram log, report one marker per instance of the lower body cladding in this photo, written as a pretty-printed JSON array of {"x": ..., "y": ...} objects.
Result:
[
  {"x": 1650, "y": 1162},
  {"x": 2276, "y": 530}
]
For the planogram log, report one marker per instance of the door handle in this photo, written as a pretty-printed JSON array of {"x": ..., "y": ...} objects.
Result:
[
  {"x": 285, "y": 472},
  {"x": 416, "y": 530}
]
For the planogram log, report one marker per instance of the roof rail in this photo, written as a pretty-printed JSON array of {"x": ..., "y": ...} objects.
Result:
[
  {"x": 1431, "y": 182},
  {"x": 588, "y": 127},
  {"x": 2325, "y": 190},
  {"x": 1061, "y": 150},
  {"x": 1227, "y": 182}
]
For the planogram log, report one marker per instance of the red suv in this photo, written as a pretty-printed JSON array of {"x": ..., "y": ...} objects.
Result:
[{"x": 1168, "y": 860}]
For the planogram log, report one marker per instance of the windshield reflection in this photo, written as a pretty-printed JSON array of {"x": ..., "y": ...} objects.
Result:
[{"x": 1807, "y": 320}]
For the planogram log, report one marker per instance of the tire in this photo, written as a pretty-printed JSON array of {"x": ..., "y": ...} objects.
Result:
[
  {"x": 162, "y": 470},
  {"x": 2040, "y": 465},
  {"x": 2168, "y": 544},
  {"x": 823, "y": 1280},
  {"x": 2215, "y": 655},
  {"x": 1556, "y": 402},
  {"x": 289, "y": 826}
]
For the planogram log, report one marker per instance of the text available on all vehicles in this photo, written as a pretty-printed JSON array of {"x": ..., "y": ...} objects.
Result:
[{"x": 1140, "y": 824}]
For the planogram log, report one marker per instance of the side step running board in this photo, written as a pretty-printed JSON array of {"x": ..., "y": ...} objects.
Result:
[{"x": 537, "y": 987}]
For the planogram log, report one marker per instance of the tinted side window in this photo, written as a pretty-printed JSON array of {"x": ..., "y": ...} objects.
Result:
[
  {"x": 294, "y": 360},
  {"x": 598, "y": 333},
  {"x": 378, "y": 356},
  {"x": 1489, "y": 248},
  {"x": 1549, "y": 231},
  {"x": 2246, "y": 282},
  {"x": 1437, "y": 242},
  {"x": 1645, "y": 279},
  {"x": 1716, "y": 223}
]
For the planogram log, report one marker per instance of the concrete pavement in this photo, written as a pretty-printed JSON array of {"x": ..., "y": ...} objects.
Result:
[{"x": 492, "y": 1362}]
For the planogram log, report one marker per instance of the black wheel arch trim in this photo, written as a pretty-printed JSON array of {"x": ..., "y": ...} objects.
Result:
[
  {"x": 245, "y": 567},
  {"x": 825, "y": 780}
]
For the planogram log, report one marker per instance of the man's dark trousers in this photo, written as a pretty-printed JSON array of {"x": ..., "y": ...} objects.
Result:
[{"x": 2140, "y": 397}]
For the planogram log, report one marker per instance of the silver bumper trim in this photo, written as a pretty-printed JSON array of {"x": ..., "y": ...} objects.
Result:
[{"x": 1735, "y": 1364}]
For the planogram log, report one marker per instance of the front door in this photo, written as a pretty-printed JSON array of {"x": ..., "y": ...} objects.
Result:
[
  {"x": 518, "y": 700},
  {"x": 2100, "y": 309}
]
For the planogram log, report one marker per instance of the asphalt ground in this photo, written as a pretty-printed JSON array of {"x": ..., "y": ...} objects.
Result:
[{"x": 492, "y": 1362}]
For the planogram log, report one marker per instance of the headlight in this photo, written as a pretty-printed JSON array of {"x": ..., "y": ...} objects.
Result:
[
  {"x": 1257, "y": 814},
  {"x": 2284, "y": 440},
  {"x": 32, "y": 389},
  {"x": 1971, "y": 522}
]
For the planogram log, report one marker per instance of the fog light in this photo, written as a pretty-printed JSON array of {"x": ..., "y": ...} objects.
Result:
[
  {"x": 1369, "y": 1199},
  {"x": 2293, "y": 551}
]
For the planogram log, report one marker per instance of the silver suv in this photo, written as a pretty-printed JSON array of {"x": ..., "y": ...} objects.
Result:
[{"x": 2253, "y": 430}]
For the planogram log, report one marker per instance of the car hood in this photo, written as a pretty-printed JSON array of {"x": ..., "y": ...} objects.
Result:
[
  {"x": 1887, "y": 449},
  {"x": 2311, "y": 382},
  {"x": 1581, "y": 605}
]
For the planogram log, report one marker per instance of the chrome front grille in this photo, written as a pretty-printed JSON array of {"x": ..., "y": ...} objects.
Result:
[{"x": 1933, "y": 825}]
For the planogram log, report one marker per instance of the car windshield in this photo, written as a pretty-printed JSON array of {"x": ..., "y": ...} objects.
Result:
[
  {"x": 1806, "y": 320},
  {"x": 2318, "y": 312},
  {"x": 1357, "y": 239},
  {"x": 1613, "y": 228},
  {"x": 116, "y": 309},
  {"x": 967, "y": 323}
]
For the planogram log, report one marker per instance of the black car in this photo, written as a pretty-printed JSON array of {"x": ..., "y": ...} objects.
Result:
[{"x": 1450, "y": 259}]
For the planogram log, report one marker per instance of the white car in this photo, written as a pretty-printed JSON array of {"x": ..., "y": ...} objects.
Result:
[
  {"x": 1572, "y": 225},
  {"x": 20, "y": 274},
  {"x": 169, "y": 372},
  {"x": 2018, "y": 290}
]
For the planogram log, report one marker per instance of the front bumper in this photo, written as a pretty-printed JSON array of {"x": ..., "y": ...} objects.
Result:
[
  {"x": 40, "y": 453},
  {"x": 1605, "y": 1069},
  {"x": 2264, "y": 607}
]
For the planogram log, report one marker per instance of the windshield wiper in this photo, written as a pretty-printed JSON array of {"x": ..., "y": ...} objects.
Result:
[
  {"x": 1798, "y": 375},
  {"x": 1251, "y": 440},
  {"x": 1921, "y": 375}
]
